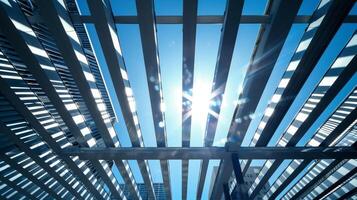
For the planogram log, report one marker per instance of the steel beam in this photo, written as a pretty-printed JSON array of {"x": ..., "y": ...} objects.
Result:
[
  {"x": 241, "y": 186},
  {"x": 204, "y": 19},
  {"x": 70, "y": 49},
  {"x": 103, "y": 22},
  {"x": 312, "y": 183},
  {"x": 225, "y": 53},
  {"x": 32, "y": 60},
  {"x": 147, "y": 25},
  {"x": 271, "y": 41},
  {"x": 17, "y": 188},
  {"x": 179, "y": 153},
  {"x": 337, "y": 184},
  {"x": 28, "y": 175},
  {"x": 320, "y": 38},
  {"x": 188, "y": 61},
  {"x": 27, "y": 150},
  {"x": 227, "y": 195},
  {"x": 292, "y": 176},
  {"x": 342, "y": 79},
  {"x": 23, "y": 110},
  {"x": 52, "y": 11},
  {"x": 349, "y": 194},
  {"x": 329, "y": 139}
]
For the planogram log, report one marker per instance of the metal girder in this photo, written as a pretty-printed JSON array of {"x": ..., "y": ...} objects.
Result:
[
  {"x": 147, "y": 25},
  {"x": 188, "y": 61},
  {"x": 70, "y": 48},
  {"x": 312, "y": 183},
  {"x": 267, "y": 51},
  {"x": 312, "y": 54},
  {"x": 337, "y": 183},
  {"x": 204, "y": 19},
  {"x": 33, "y": 60},
  {"x": 329, "y": 139},
  {"x": 227, "y": 195},
  {"x": 27, "y": 150},
  {"x": 342, "y": 79},
  {"x": 104, "y": 25},
  {"x": 17, "y": 188},
  {"x": 241, "y": 187},
  {"x": 228, "y": 38},
  {"x": 271, "y": 40},
  {"x": 296, "y": 172},
  {"x": 180, "y": 153},
  {"x": 28, "y": 175},
  {"x": 23, "y": 110},
  {"x": 320, "y": 38},
  {"x": 224, "y": 58},
  {"x": 349, "y": 194}
]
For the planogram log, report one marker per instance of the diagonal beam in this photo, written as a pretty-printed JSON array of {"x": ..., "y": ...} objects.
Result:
[
  {"x": 52, "y": 12},
  {"x": 25, "y": 112},
  {"x": 17, "y": 188},
  {"x": 329, "y": 139},
  {"x": 319, "y": 177},
  {"x": 311, "y": 55},
  {"x": 337, "y": 183},
  {"x": 349, "y": 194},
  {"x": 225, "y": 53},
  {"x": 332, "y": 89},
  {"x": 33, "y": 60},
  {"x": 111, "y": 48},
  {"x": 188, "y": 62},
  {"x": 146, "y": 17},
  {"x": 267, "y": 51},
  {"x": 350, "y": 118},
  {"x": 28, "y": 175},
  {"x": 27, "y": 150},
  {"x": 344, "y": 77}
]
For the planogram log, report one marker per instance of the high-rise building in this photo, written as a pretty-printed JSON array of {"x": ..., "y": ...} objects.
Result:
[{"x": 158, "y": 187}]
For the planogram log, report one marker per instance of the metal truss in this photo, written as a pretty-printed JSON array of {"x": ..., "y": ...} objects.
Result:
[{"x": 56, "y": 128}]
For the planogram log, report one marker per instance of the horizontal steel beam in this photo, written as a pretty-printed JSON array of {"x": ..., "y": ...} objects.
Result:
[
  {"x": 206, "y": 19},
  {"x": 179, "y": 153}
]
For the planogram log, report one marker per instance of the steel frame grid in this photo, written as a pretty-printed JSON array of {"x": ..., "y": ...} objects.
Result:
[{"x": 205, "y": 19}]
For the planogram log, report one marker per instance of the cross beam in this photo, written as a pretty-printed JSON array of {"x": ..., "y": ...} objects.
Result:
[
  {"x": 203, "y": 19},
  {"x": 180, "y": 153}
]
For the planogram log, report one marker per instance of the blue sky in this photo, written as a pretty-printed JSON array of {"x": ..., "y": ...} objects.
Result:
[{"x": 207, "y": 41}]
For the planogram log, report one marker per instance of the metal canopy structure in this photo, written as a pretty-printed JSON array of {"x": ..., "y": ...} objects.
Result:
[{"x": 57, "y": 120}]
